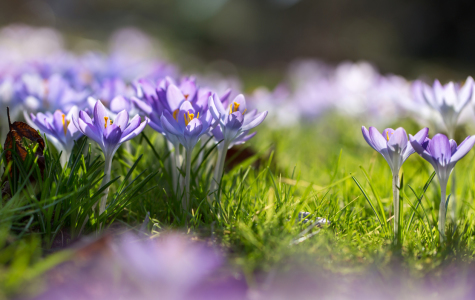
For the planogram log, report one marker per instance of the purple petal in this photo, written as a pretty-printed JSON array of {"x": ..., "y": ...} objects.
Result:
[
  {"x": 241, "y": 101},
  {"x": 234, "y": 121},
  {"x": 142, "y": 105},
  {"x": 174, "y": 97},
  {"x": 439, "y": 148},
  {"x": 119, "y": 103},
  {"x": 257, "y": 120},
  {"x": 122, "y": 119},
  {"x": 366, "y": 137},
  {"x": 135, "y": 132},
  {"x": 134, "y": 123},
  {"x": 463, "y": 149},
  {"x": 398, "y": 140},
  {"x": 111, "y": 137},
  {"x": 100, "y": 114},
  {"x": 379, "y": 142},
  {"x": 169, "y": 124}
]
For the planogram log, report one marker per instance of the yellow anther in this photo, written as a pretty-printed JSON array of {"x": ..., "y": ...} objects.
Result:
[
  {"x": 188, "y": 117},
  {"x": 244, "y": 111},
  {"x": 105, "y": 121},
  {"x": 387, "y": 134},
  {"x": 175, "y": 113},
  {"x": 233, "y": 107},
  {"x": 198, "y": 115},
  {"x": 65, "y": 124},
  {"x": 236, "y": 106}
]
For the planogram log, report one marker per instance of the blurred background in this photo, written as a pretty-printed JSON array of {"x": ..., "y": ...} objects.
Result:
[{"x": 409, "y": 38}]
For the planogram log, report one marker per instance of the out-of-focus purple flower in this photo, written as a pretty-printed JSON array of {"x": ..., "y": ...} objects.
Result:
[
  {"x": 59, "y": 129},
  {"x": 9, "y": 96},
  {"x": 50, "y": 94},
  {"x": 171, "y": 267},
  {"x": 442, "y": 154},
  {"x": 108, "y": 134},
  {"x": 392, "y": 144},
  {"x": 449, "y": 99}
]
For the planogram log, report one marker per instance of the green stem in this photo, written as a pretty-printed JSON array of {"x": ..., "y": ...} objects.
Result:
[
  {"x": 105, "y": 180},
  {"x": 452, "y": 197},
  {"x": 219, "y": 169},
  {"x": 396, "y": 207},
  {"x": 186, "y": 199},
  {"x": 442, "y": 211}
]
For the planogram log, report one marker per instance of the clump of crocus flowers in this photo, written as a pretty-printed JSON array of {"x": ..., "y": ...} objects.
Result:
[{"x": 439, "y": 151}]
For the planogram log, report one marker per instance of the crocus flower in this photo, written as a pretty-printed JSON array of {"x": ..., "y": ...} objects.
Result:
[
  {"x": 188, "y": 127},
  {"x": 108, "y": 134},
  {"x": 395, "y": 148},
  {"x": 449, "y": 99},
  {"x": 59, "y": 129},
  {"x": 49, "y": 94},
  {"x": 442, "y": 154},
  {"x": 234, "y": 125}
]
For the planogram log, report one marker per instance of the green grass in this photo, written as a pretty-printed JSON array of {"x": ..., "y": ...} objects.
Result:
[{"x": 324, "y": 168}]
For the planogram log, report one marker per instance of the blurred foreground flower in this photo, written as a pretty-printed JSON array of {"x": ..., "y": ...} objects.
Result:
[
  {"x": 108, "y": 134},
  {"x": 395, "y": 148},
  {"x": 442, "y": 154},
  {"x": 171, "y": 267}
]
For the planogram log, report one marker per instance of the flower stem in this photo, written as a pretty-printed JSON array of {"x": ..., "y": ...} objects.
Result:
[
  {"x": 105, "y": 180},
  {"x": 219, "y": 169},
  {"x": 397, "y": 237},
  {"x": 442, "y": 211},
  {"x": 173, "y": 165},
  {"x": 186, "y": 199},
  {"x": 452, "y": 196},
  {"x": 64, "y": 158}
]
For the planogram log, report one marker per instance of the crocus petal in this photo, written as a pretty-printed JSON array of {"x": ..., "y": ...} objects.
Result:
[
  {"x": 134, "y": 123},
  {"x": 465, "y": 93},
  {"x": 258, "y": 120},
  {"x": 419, "y": 137},
  {"x": 169, "y": 124},
  {"x": 463, "y": 149},
  {"x": 367, "y": 138},
  {"x": 174, "y": 97},
  {"x": 135, "y": 132},
  {"x": 439, "y": 148},
  {"x": 241, "y": 101},
  {"x": 398, "y": 140},
  {"x": 122, "y": 119},
  {"x": 142, "y": 105},
  {"x": 379, "y": 142},
  {"x": 99, "y": 116},
  {"x": 119, "y": 103}
]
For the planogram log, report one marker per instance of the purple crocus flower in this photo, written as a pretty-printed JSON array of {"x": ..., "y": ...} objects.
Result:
[
  {"x": 234, "y": 123},
  {"x": 395, "y": 148},
  {"x": 449, "y": 99},
  {"x": 188, "y": 127},
  {"x": 234, "y": 120},
  {"x": 442, "y": 154},
  {"x": 49, "y": 94},
  {"x": 59, "y": 129},
  {"x": 108, "y": 134},
  {"x": 392, "y": 144}
]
